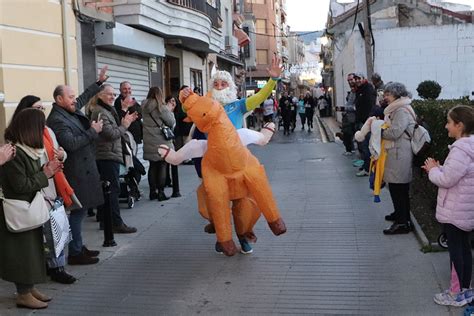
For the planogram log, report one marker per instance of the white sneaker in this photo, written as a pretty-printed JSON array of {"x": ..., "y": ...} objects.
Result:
[
  {"x": 362, "y": 173},
  {"x": 347, "y": 153},
  {"x": 447, "y": 299}
]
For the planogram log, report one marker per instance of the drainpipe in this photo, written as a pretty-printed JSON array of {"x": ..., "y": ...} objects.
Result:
[{"x": 66, "y": 48}]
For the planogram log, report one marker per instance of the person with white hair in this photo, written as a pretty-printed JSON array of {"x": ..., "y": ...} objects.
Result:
[{"x": 224, "y": 91}]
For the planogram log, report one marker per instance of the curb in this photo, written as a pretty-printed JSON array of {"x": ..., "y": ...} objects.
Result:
[
  {"x": 326, "y": 129},
  {"x": 421, "y": 237}
]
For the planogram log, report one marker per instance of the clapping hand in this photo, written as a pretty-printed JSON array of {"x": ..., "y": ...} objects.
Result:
[
  {"x": 97, "y": 125},
  {"x": 52, "y": 167},
  {"x": 59, "y": 153},
  {"x": 275, "y": 70},
  {"x": 7, "y": 152},
  {"x": 430, "y": 163},
  {"x": 129, "y": 118},
  {"x": 128, "y": 102}
]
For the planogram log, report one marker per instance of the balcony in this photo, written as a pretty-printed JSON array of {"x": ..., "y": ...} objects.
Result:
[
  {"x": 203, "y": 7},
  {"x": 231, "y": 46},
  {"x": 192, "y": 24}
]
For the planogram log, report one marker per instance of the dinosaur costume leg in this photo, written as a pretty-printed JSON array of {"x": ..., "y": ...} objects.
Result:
[
  {"x": 257, "y": 182},
  {"x": 218, "y": 205},
  {"x": 246, "y": 214},
  {"x": 202, "y": 207}
]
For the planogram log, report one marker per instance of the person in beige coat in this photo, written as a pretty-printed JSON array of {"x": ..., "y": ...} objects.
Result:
[
  {"x": 155, "y": 115},
  {"x": 399, "y": 116}
]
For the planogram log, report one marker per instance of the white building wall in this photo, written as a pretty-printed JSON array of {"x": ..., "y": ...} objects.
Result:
[
  {"x": 192, "y": 61},
  {"x": 350, "y": 59},
  {"x": 411, "y": 55},
  {"x": 441, "y": 53}
]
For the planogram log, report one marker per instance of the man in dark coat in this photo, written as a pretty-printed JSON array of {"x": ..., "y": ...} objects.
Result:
[
  {"x": 285, "y": 110},
  {"x": 77, "y": 136},
  {"x": 365, "y": 100},
  {"x": 125, "y": 102}
]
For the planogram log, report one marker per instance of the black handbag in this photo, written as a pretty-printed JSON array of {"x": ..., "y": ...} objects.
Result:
[{"x": 165, "y": 130}]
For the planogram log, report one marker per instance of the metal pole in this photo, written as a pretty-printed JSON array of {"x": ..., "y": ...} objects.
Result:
[
  {"x": 107, "y": 217},
  {"x": 368, "y": 40}
]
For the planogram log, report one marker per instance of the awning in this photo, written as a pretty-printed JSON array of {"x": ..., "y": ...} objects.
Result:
[{"x": 242, "y": 37}]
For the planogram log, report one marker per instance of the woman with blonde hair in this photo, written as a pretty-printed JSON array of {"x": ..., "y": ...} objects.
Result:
[
  {"x": 156, "y": 115},
  {"x": 109, "y": 150}
]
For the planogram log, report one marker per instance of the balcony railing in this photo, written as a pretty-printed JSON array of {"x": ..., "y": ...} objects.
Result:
[{"x": 202, "y": 6}]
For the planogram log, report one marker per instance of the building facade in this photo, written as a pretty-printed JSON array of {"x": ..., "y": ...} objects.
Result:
[
  {"x": 38, "y": 50},
  {"x": 260, "y": 15},
  {"x": 414, "y": 41}
]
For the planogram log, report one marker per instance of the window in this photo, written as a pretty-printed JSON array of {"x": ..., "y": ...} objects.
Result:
[
  {"x": 262, "y": 56},
  {"x": 261, "y": 26},
  {"x": 196, "y": 79},
  {"x": 257, "y": 1}
]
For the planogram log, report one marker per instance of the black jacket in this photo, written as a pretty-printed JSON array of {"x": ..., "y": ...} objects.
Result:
[
  {"x": 74, "y": 133},
  {"x": 364, "y": 102},
  {"x": 136, "y": 128}
]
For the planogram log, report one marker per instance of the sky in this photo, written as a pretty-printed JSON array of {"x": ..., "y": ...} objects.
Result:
[
  {"x": 311, "y": 15},
  {"x": 307, "y": 15}
]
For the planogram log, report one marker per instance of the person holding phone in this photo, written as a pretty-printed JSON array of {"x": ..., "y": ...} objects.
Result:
[
  {"x": 77, "y": 135},
  {"x": 124, "y": 103}
]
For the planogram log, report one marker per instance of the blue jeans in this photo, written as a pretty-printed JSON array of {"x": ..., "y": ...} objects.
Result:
[
  {"x": 57, "y": 262},
  {"x": 75, "y": 222}
]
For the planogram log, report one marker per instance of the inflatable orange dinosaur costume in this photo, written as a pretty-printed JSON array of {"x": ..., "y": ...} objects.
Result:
[{"x": 229, "y": 173}]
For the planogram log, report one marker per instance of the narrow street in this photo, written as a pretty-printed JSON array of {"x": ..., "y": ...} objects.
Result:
[{"x": 334, "y": 258}]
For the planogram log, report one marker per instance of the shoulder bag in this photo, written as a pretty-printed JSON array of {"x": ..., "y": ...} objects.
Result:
[
  {"x": 165, "y": 130},
  {"x": 22, "y": 216}
]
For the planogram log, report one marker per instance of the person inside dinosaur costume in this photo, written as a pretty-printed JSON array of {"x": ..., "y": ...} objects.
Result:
[
  {"x": 229, "y": 172},
  {"x": 224, "y": 91}
]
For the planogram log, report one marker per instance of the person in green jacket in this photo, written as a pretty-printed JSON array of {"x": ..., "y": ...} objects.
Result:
[{"x": 22, "y": 259}]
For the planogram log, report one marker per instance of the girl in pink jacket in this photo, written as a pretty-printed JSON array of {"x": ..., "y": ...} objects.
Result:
[{"x": 455, "y": 203}]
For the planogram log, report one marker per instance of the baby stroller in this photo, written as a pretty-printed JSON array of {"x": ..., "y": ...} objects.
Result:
[{"x": 130, "y": 172}]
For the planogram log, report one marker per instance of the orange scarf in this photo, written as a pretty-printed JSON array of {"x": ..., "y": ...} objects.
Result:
[{"x": 63, "y": 188}]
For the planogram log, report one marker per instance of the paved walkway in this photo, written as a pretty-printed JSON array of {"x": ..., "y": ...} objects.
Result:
[{"x": 333, "y": 259}]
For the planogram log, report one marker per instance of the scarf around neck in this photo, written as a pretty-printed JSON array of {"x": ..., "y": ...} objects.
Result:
[
  {"x": 111, "y": 109},
  {"x": 33, "y": 153},
  {"x": 397, "y": 104},
  {"x": 61, "y": 184}
]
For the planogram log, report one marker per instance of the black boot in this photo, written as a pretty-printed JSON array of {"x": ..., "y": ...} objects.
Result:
[
  {"x": 153, "y": 195},
  {"x": 61, "y": 276},
  {"x": 162, "y": 196}
]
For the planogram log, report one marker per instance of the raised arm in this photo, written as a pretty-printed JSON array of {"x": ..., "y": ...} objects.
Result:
[
  {"x": 275, "y": 71},
  {"x": 92, "y": 90}
]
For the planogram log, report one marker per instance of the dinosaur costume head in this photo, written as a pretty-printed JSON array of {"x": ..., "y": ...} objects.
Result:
[{"x": 203, "y": 114}]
